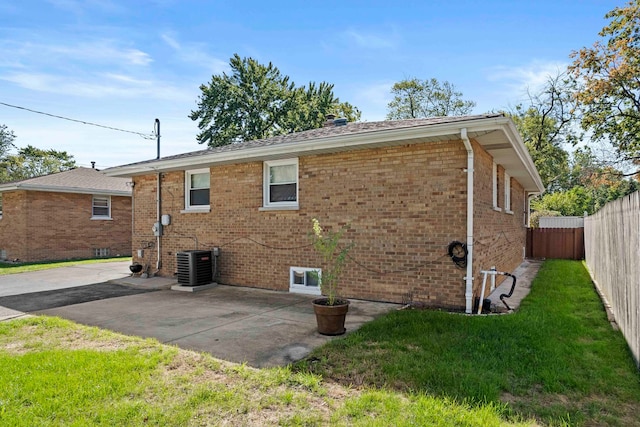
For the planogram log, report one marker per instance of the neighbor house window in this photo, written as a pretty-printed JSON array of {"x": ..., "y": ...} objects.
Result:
[
  {"x": 495, "y": 186},
  {"x": 101, "y": 207},
  {"x": 304, "y": 280},
  {"x": 281, "y": 184},
  {"x": 507, "y": 193},
  {"x": 197, "y": 183}
]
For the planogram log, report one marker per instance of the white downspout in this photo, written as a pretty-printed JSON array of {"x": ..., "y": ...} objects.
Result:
[{"x": 468, "y": 294}]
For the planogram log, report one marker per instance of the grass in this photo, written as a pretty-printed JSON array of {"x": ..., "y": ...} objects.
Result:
[
  {"x": 557, "y": 359},
  {"x": 54, "y": 372},
  {"x": 21, "y": 267}
]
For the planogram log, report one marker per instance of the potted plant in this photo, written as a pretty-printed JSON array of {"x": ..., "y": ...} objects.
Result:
[{"x": 330, "y": 310}]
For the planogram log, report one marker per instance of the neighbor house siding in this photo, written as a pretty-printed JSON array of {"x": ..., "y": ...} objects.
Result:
[
  {"x": 403, "y": 205},
  {"x": 54, "y": 225}
]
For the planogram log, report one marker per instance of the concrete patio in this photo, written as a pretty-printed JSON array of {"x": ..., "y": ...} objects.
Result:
[{"x": 244, "y": 325}]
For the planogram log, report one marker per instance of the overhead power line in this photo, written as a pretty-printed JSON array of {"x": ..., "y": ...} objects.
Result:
[{"x": 143, "y": 135}]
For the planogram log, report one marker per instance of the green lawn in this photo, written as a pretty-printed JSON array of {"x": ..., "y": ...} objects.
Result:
[
  {"x": 57, "y": 373},
  {"x": 557, "y": 359},
  {"x": 21, "y": 267}
]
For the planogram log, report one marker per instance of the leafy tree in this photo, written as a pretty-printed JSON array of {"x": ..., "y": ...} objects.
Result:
[
  {"x": 591, "y": 187},
  {"x": 6, "y": 140},
  {"x": 609, "y": 91},
  {"x": 415, "y": 98},
  {"x": 546, "y": 128},
  {"x": 31, "y": 162},
  {"x": 256, "y": 101}
]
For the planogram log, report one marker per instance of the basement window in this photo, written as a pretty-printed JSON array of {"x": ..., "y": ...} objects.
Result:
[
  {"x": 101, "y": 207},
  {"x": 196, "y": 192},
  {"x": 101, "y": 252},
  {"x": 303, "y": 280},
  {"x": 281, "y": 184}
]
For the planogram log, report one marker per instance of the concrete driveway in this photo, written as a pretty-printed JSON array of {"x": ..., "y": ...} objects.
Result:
[{"x": 262, "y": 328}]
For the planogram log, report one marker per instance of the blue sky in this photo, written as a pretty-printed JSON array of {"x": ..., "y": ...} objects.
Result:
[{"x": 124, "y": 63}]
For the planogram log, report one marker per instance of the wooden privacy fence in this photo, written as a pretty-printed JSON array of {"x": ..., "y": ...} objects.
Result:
[
  {"x": 612, "y": 236},
  {"x": 564, "y": 243}
]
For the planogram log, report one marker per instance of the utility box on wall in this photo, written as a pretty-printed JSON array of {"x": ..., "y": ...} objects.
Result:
[{"x": 194, "y": 268}]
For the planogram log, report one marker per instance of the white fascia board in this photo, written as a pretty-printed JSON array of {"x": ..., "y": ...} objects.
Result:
[
  {"x": 513, "y": 136},
  {"x": 339, "y": 143},
  {"x": 291, "y": 149},
  {"x": 54, "y": 189},
  {"x": 523, "y": 153}
]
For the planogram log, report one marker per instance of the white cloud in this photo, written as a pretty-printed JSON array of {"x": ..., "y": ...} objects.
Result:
[
  {"x": 195, "y": 53},
  {"x": 98, "y": 86},
  {"x": 371, "y": 40},
  {"x": 373, "y": 100},
  {"x": 531, "y": 77}
]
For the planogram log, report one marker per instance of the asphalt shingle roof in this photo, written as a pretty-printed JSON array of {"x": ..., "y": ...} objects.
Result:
[
  {"x": 326, "y": 132},
  {"x": 80, "y": 179}
]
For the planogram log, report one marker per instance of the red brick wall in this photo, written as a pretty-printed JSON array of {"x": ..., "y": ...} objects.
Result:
[
  {"x": 51, "y": 226},
  {"x": 404, "y": 205},
  {"x": 13, "y": 225}
]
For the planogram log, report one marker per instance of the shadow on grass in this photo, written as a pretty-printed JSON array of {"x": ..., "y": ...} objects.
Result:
[{"x": 557, "y": 359}]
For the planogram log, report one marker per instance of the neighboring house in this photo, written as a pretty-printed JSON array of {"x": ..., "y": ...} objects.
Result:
[
  {"x": 401, "y": 187},
  {"x": 79, "y": 213}
]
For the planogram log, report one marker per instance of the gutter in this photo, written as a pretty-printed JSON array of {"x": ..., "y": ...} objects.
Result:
[
  {"x": 468, "y": 294},
  {"x": 327, "y": 144},
  {"x": 58, "y": 189}
]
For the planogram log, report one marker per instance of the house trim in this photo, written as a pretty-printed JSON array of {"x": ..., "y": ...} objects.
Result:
[
  {"x": 497, "y": 135},
  {"x": 56, "y": 189}
]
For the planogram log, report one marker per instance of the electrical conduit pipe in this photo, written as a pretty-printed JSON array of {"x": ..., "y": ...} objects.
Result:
[{"x": 468, "y": 294}]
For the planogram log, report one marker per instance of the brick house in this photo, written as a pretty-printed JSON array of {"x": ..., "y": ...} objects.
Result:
[
  {"x": 79, "y": 213},
  {"x": 401, "y": 186}
]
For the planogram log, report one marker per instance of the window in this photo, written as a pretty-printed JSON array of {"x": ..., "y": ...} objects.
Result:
[
  {"x": 507, "y": 193},
  {"x": 101, "y": 252},
  {"x": 494, "y": 172},
  {"x": 304, "y": 280},
  {"x": 101, "y": 207},
  {"x": 281, "y": 184},
  {"x": 196, "y": 191}
]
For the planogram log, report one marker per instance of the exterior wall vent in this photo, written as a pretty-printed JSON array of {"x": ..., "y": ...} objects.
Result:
[{"x": 194, "y": 268}]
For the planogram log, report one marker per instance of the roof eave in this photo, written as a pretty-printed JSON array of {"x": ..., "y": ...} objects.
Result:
[
  {"x": 338, "y": 143},
  {"x": 294, "y": 148},
  {"x": 56, "y": 189}
]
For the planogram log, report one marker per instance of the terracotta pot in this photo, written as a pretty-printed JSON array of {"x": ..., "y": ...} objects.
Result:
[{"x": 330, "y": 318}]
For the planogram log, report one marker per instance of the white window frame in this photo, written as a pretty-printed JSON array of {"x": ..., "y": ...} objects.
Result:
[
  {"x": 187, "y": 191},
  {"x": 494, "y": 176},
  {"x": 304, "y": 289},
  {"x": 507, "y": 193},
  {"x": 266, "y": 204},
  {"x": 93, "y": 206}
]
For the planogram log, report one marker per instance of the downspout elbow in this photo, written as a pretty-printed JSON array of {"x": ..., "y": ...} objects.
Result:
[{"x": 468, "y": 294}]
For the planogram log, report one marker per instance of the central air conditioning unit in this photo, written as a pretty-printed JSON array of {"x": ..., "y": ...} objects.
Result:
[{"x": 194, "y": 268}]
